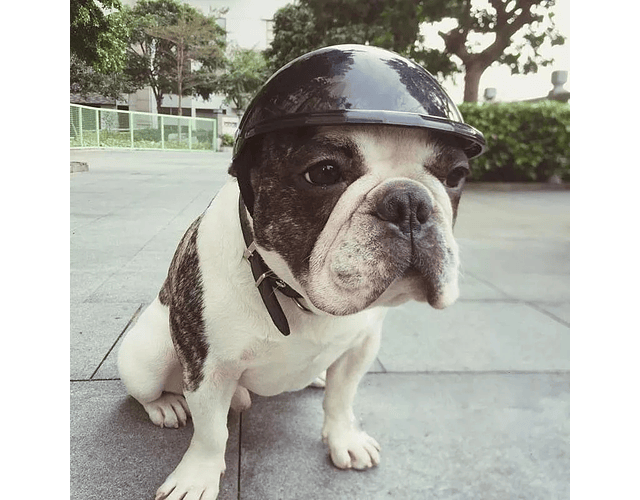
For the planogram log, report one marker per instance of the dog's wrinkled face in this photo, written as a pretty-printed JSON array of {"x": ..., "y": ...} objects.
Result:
[{"x": 360, "y": 215}]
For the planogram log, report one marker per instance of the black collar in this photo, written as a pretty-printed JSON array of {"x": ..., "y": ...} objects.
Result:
[{"x": 266, "y": 280}]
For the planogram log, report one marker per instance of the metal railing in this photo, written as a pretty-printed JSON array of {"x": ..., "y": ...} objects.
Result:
[{"x": 111, "y": 128}]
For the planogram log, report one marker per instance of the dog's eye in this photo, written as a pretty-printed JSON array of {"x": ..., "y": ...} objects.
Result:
[
  {"x": 323, "y": 174},
  {"x": 455, "y": 176}
]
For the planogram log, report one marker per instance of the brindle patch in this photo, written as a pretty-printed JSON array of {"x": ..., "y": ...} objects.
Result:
[
  {"x": 289, "y": 213},
  {"x": 182, "y": 293}
]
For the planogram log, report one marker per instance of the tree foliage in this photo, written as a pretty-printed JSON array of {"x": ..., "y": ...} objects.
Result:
[
  {"x": 245, "y": 72},
  {"x": 391, "y": 24},
  {"x": 98, "y": 34},
  {"x": 193, "y": 38},
  {"x": 85, "y": 80},
  {"x": 518, "y": 29},
  {"x": 166, "y": 37}
]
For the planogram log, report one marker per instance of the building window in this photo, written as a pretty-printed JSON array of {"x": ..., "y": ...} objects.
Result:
[{"x": 269, "y": 23}]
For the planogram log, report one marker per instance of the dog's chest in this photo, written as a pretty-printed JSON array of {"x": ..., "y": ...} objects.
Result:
[{"x": 292, "y": 363}]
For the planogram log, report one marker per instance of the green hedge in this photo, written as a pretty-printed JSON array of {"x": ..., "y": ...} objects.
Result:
[
  {"x": 525, "y": 141},
  {"x": 227, "y": 139},
  {"x": 153, "y": 134}
]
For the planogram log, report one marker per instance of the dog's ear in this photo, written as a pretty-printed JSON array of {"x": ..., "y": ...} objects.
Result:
[
  {"x": 245, "y": 158},
  {"x": 241, "y": 167}
]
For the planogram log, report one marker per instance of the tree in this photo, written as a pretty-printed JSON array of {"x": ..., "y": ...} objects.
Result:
[
  {"x": 311, "y": 24},
  {"x": 167, "y": 40},
  {"x": 518, "y": 28},
  {"x": 245, "y": 72},
  {"x": 505, "y": 19},
  {"x": 193, "y": 38},
  {"x": 85, "y": 80},
  {"x": 98, "y": 34}
]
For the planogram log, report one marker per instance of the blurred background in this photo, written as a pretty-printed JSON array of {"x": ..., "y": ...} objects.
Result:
[{"x": 138, "y": 66}]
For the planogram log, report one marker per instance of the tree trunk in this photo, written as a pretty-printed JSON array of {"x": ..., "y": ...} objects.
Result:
[
  {"x": 180, "y": 69},
  {"x": 158, "y": 96},
  {"x": 473, "y": 73}
]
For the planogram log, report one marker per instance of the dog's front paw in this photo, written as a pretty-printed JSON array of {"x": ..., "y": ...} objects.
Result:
[
  {"x": 192, "y": 480},
  {"x": 351, "y": 447},
  {"x": 169, "y": 410}
]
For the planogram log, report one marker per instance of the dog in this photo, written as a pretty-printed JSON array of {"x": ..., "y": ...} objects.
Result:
[{"x": 354, "y": 219}]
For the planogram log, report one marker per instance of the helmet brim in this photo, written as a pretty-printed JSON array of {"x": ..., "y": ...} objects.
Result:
[{"x": 471, "y": 140}]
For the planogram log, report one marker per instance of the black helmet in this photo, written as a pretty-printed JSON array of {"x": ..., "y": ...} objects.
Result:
[{"x": 354, "y": 84}]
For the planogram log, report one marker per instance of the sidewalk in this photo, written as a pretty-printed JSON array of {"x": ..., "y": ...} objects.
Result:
[{"x": 468, "y": 403}]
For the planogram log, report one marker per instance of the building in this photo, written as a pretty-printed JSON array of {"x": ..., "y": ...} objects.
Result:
[{"x": 248, "y": 24}]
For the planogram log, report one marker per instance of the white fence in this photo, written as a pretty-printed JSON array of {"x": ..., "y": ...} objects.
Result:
[{"x": 111, "y": 128}]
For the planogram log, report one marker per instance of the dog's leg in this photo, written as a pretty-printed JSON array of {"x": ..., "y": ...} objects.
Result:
[
  {"x": 350, "y": 447},
  {"x": 198, "y": 474},
  {"x": 150, "y": 369},
  {"x": 241, "y": 400}
]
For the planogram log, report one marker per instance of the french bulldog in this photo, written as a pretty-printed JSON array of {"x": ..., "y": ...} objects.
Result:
[{"x": 354, "y": 219}]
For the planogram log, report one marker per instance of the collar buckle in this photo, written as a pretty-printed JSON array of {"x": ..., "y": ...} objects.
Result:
[{"x": 249, "y": 251}]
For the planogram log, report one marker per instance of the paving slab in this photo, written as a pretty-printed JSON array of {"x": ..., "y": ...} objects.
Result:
[
  {"x": 140, "y": 286},
  {"x": 83, "y": 283},
  {"x": 470, "y": 402},
  {"x": 473, "y": 336},
  {"x": 494, "y": 215},
  {"x": 118, "y": 454},
  {"x": 453, "y": 437},
  {"x": 518, "y": 256},
  {"x": 533, "y": 270},
  {"x": 94, "y": 330}
]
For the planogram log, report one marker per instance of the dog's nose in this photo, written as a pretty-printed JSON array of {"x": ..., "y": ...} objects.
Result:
[{"x": 406, "y": 205}]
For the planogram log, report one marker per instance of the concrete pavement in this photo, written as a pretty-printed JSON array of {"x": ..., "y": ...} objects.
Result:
[{"x": 467, "y": 403}]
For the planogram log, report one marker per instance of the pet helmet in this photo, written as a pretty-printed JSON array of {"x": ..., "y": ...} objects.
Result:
[{"x": 353, "y": 84}]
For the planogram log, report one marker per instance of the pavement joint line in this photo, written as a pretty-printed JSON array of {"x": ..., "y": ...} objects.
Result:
[
  {"x": 475, "y": 372},
  {"x": 82, "y": 380},
  {"x": 165, "y": 226},
  {"x": 88, "y": 300},
  {"x": 489, "y": 284},
  {"x": 510, "y": 299},
  {"x": 384, "y": 370},
  {"x": 533, "y": 305},
  {"x": 239, "y": 453},
  {"x": 415, "y": 372},
  {"x": 507, "y": 300},
  {"x": 126, "y": 327}
]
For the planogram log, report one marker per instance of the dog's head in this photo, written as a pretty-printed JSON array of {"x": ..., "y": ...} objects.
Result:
[{"x": 358, "y": 215}]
